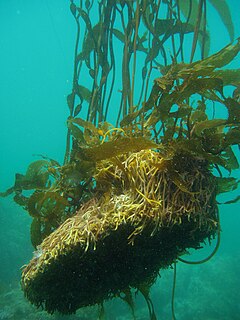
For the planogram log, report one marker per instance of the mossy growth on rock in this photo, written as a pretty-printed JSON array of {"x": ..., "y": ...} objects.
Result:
[{"x": 141, "y": 220}]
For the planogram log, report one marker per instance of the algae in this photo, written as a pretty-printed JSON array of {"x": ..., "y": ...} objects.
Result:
[{"x": 144, "y": 188}]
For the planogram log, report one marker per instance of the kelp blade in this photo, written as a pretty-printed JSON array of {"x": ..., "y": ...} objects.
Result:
[{"x": 115, "y": 148}]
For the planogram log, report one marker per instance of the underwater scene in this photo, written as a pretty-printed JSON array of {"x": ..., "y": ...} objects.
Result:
[{"x": 119, "y": 166}]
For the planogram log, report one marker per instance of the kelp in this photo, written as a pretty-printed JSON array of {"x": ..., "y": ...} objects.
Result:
[
  {"x": 177, "y": 87},
  {"x": 224, "y": 11},
  {"x": 226, "y": 184},
  {"x": 174, "y": 115},
  {"x": 51, "y": 193},
  {"x": 140, "y": 27},
  {"x": 231, "y": 201},
  {"x": 115, "y": 148},
  {"x": 195, "y": 12}
]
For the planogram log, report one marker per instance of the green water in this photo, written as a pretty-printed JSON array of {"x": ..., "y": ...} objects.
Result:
[{"x": 36, "y": 63}]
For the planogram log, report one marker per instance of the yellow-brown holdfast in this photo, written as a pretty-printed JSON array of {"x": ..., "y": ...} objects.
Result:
[{"x": 146, "y": 212}]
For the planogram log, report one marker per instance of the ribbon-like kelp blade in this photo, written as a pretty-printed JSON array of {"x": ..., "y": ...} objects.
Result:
[
  {"x": 118, "y": 34},
  {"x": 168, "y": 27},
  {"x": 77, "y": 133},
  {"x": 35, "y": 204},
  {"x": 203, "y": 86},
  {"x": 35, "y": 232},
  {"x": 85, "y": 124},
  {"x": 182, "y": 27},
  {"x": 199, "y": 127},
  {"x": 70, "y": 102},
  {"x": 233, "y": 110},
  {"x": 73, "y": 9},
  {"x": 163, "y": 25},
  {"x": 7, "y": 192},
  {"x": 228, "y": 77},
  {"x": 181, "y": 93},
  {"x": 231, "y": 201},
  {"x": 232, "y": 137},
  {"x": 90, "y": 40},
  {"x": 115, "y": 148},
  {"x": 41, "y": 204},
  {"x": 197, "y": 116},
  {"x": 36, "y": 177},
  {"x": 206, "y": 66},
  {"x": 185, "y": 7},
  {"x": 77, "y": 110},
  {"x": 20, "y": 199},
  {"x": 221, "y": 58},
  {"x": 37, "y": 168},
  {"x": 231, "y": 161},
  {"x": 188, "y": 88},
  {"x": 39, "y": 230},
  {"x": 183, "y": 112},
  {"x": 90, "y": 134},
  {"x": 226, "y": 184},
  {"x": 129, "y": 118},
  {"x": 83, "y": 93},
  {"x": 223, "y": 9}
]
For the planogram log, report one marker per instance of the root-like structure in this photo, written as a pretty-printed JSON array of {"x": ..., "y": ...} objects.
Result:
[{"x": 147, "y": 211}]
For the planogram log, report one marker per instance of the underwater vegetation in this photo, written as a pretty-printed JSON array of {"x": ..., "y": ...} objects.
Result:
[
  {"x": 132, "y": 197},
  {"x": 192, "y": 295}
]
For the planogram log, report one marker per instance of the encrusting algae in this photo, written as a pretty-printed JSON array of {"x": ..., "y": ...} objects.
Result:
[{"x": 140, "y": 221}]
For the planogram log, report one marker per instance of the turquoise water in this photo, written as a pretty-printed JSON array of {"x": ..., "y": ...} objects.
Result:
[{"x": 36, "y": 63}]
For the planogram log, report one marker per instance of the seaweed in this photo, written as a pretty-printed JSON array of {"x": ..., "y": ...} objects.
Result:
[{"x": 165, "y": 131}]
